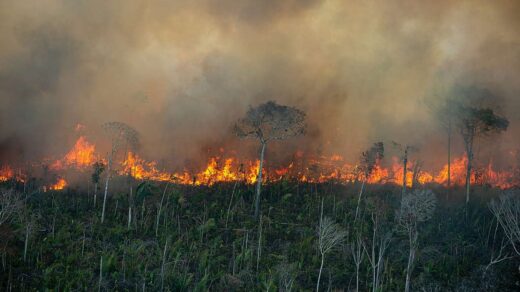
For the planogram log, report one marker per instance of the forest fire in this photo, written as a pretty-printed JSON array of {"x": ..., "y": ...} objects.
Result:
[
  {"x": 316, "y": 170},
  {"x": 59, "y": 185},
  {"x": 80, "y": 156},
  {"x": 6, "y": 173}
]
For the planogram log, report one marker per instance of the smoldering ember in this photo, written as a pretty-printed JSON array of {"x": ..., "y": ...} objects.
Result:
[{"x": 259, "y": 145}]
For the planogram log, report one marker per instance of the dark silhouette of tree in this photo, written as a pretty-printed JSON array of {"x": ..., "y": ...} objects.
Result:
[
  {"x": 405, "y": 152},
  {"x": 473, "y": 122},
  {"x": 267, "y": 122},
  {"x": 369, "y": 160},
  {"x": 97, "y": 168}
]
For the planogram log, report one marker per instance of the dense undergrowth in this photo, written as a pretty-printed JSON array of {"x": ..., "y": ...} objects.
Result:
[{"x": 205, "y": 238}]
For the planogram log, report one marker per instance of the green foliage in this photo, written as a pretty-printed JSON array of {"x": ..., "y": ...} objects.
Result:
[{"x": 203, "y": 253}]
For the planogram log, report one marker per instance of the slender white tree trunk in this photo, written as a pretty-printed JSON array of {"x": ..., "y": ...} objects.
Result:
[
  {"x": 259, "y": 181},
  {"x": 259, "y": 248},
  {"x": 95, "y": 193},
  {"x": 230, "y": 202},
  {"x": 163, "y": 265},
  {"x": 106, "y": 187},
  {"x": 359, "y": 197},
  {"x": 130, "y": 200},
  {"x": 26, "y": 242},
  {"x": 160, "y": 210},
  {"x": 357, "y": 277},
  {"x": 319, "y": 275},
  {"x": 129, "y": 217},
  {"x": 100, "y": 273},
  {"x": 411, "y": 258}
]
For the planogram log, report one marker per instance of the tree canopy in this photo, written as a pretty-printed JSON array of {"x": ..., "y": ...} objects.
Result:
[{"x": 271, "y": 121}]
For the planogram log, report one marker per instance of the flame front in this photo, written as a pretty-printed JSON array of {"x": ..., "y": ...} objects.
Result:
[{"x": 313, "y": 170}]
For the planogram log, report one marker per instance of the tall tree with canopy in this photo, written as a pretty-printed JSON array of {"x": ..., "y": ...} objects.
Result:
[
  {"x": 267, "y": 122},
  {"x": 472, "y": 123},
  {"x": 120, "y": 135}
]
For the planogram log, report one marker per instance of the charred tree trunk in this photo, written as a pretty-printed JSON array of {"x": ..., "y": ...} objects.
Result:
[{"x": 259, "y": 181}]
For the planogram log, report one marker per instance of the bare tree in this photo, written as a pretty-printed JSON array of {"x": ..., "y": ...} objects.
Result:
[
  {"x": 356, "y": 248},
  {"x": 266, "y": 122},
  {"x": 416, "y": 207},
  {"x": 369, "y": 160},
  {"x": 330, "y": 236},
  {"x": 120, "y": 134},
  {"x": 507, "y": 211},
  {"x": 378, "y": 247},
  {"x": 472, "y": 123}
]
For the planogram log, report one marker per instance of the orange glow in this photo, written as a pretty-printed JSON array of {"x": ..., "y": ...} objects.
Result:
[
  {"x": 82, "y": 155},
  {"x": 140, "y": 169},
  {"x": 6, "y": 173},
  {"x": 304, "y": 168},
  {"x": 60, "y": 185}
]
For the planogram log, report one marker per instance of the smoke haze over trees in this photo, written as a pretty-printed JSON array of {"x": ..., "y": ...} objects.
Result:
[{"x": 182, "y": 72}]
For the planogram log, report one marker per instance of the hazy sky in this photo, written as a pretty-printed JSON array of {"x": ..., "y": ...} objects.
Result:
[{"x": 181, "y": 72}]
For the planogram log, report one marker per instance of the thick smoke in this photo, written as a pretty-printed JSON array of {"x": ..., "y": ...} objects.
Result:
[{"x": 181, "y": 72}]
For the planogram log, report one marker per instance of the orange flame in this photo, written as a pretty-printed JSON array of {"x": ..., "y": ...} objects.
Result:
[
  {"x": 59, "y": 185},
  {"x": 304, "y": 169},
  {"x": 6, "y": 173},
  {"x": 82, "y": 155}
]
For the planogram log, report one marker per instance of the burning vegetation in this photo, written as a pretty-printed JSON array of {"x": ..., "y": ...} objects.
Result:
[
  {"x": 259, "y": 145},
  {"x": 312, "y": 169}
]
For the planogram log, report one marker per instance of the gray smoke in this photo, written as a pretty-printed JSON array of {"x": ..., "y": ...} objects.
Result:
[{"x": 181, "y": 72}]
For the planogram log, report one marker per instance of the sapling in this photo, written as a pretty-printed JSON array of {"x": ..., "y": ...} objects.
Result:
[{"x": 330, "y": 236}]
